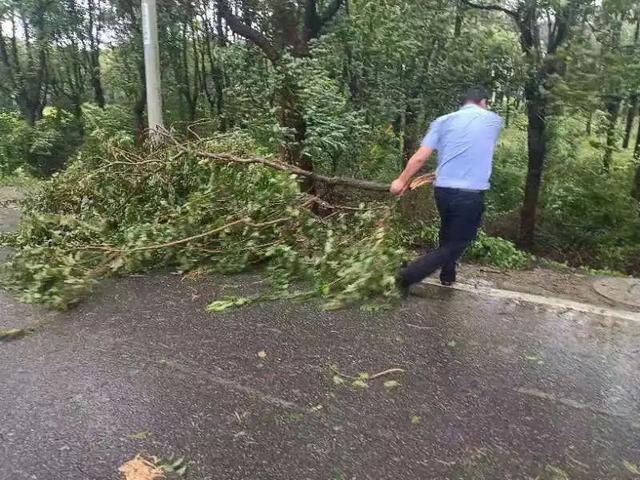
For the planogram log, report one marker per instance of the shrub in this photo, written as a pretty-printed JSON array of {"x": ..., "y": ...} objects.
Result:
[
  {"x": 494, "y": 251},
  {"x": 43, "y": 148}
]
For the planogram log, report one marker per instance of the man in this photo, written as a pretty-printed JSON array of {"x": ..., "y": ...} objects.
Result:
[{"x": 465, "y": 142}]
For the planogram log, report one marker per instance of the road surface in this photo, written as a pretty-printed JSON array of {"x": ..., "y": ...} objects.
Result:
[{"x": 493, "y": 388}]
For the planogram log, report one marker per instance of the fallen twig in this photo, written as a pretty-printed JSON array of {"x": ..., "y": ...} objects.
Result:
[
  {"x": 386, "y": 372},
  {"x": 285, "y": 167}
]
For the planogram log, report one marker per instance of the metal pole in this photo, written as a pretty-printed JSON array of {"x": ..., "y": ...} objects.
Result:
[{"x": 152, "y": 68}]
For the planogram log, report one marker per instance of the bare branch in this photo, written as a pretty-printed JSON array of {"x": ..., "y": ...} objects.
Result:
[
  {"x": 246, "y": 31},
  {"x": 285, "y": 167},
  {"x": 495, "y": 8}
]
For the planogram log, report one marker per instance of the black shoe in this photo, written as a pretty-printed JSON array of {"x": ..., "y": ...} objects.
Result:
[
  {"x": 448, "y": 280},
  {"x": 403, "y": 288}
]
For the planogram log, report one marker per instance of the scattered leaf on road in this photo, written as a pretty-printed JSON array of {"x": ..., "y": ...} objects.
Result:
[
  {"x": 8, "y": 334},
  {"x": 631, "y": 467},
  {"x": 138, "y": 436},
  {"x": 452, "y": 344},
  {"x": 391, "y": 384},
  {"x": 338, "y": 380},
  {"x": 416, "y": 420},
  {"x": 262, "y": 354},
  {"x": 177, "y": 466},
  {"x": 360, "y": 384},
  {"x": 557, "y": 473}
]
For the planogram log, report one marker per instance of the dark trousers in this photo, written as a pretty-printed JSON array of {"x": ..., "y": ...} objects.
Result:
[{"x": 460, "y": 214}]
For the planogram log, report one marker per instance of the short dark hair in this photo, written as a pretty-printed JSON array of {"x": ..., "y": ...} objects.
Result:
[{"x": 475, "y": 95}]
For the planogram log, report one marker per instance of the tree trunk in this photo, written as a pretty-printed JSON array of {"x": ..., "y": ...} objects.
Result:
[
  {"x": 31, "y": 112},
  {"x": 537, "y": 146},
  {"x": 96, "y": 79},
  {"x": 507, "y": 116},
  {"x": 139, "y": 105},
  {"x": 613, "y": 110},
  {"x": 292, "y": 121},
  {"x": 93, "y": 32},
  {"x": 631, "y": 115},
  {"x": 457, "y": 29},
  {"x": 635, "y": 192},
  {"x": 589, "y": 123}
]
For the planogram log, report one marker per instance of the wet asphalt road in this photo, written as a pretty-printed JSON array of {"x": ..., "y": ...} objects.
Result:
[{"x": 492, "y": 390}]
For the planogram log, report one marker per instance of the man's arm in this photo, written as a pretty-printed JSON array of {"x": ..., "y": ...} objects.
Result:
[
  {"x": 429, "y": 145},
  {"x": 417, "y": 161}
]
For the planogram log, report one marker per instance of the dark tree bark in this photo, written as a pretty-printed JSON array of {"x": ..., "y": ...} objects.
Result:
[
  {"x": 457, "y": 28},
  {"x": 139, "y": 106},
  {"x": 631, "y": 115},
  {"x": 613, "y": 110},
  {"x": 93, "y": 32},
  {"x": 635, "y": 192},
  {"x": 507, "y": 114},
  {"x": 537, "y": 147},
  {"x": 212, "y": 70}
]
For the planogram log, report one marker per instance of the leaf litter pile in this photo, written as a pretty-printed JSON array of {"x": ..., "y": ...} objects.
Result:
[
  {"x": 141, "y": 468},
  {"x": 206, "y": 206}
]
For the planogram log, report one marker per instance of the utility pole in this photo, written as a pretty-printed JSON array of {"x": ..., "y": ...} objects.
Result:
[{"x": 152, "y": 69}]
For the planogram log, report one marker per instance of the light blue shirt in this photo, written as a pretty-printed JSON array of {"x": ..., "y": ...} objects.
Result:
[{"x": 465, "y": 141}]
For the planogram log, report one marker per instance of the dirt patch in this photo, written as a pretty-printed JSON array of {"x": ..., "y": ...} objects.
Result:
[
  {"x": 569, "y": 285},
  {"x": 9, "y": 211},
  {"x": 11, "y": 195}
]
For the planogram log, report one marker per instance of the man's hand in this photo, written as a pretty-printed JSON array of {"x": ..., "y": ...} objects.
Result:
[{"x": 398, "y": 187}]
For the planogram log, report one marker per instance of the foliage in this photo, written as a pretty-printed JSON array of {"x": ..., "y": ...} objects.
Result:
[
  {"x": 42, "y": 148},
  {"x": 494, "y": 251},
  {"x": 126, "y": 215},
  {"x": 361, "y": 89}
]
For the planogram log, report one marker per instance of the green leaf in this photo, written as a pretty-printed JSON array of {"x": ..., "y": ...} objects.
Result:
[
  {"x": 222, "y": 305},
  {"x": 9, "y": 334},
  {"x": 631, "y": 467},
  {"x": 338, "y": 380},
  {"x": 360, "y": 384}
]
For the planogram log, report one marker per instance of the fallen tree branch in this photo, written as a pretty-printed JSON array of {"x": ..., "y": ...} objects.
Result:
[
  {"x": 285, "y": 167},
  {"x": 242, "y": 221}
]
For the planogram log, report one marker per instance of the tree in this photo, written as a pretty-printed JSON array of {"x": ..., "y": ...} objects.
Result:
[
  {"x": 290, "y": 29},
  {"x": 543, "y": 30},
  {"x": 24, "y": 54}
]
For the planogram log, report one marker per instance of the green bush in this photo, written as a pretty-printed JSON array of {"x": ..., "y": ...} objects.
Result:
[
  {"x": 12, "y": 154},
  {"x": 588, "y": 214},
  {"x": 494, "y": 251},
  {"x": 510, "y": 169},
  {"x": 498, "y": 252},
  {"x": 43, "y": 148},
  {"x": 182, "y": 211}
]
